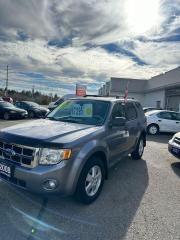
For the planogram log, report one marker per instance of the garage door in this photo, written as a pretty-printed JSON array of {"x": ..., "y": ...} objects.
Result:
[{"x": 173, "y": 103}]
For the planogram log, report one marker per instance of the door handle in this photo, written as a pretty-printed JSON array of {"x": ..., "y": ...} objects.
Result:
[
  {"x": 177, "y": 122},
  {"x": 159, "y": 120}
]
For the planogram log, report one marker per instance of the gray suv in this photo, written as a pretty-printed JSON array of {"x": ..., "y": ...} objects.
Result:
[{"x": 71, "y": 150}]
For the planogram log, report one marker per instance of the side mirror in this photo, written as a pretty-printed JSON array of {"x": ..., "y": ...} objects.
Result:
[{"x": 118, "y": 122}]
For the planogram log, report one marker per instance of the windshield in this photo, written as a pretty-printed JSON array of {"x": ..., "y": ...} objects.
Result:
[
  {"x": 90, "y": 112},
  {"x": 6, "y": 104}
]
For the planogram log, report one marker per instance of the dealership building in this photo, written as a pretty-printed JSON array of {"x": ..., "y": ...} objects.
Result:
[{"x": 162, "y": 91}]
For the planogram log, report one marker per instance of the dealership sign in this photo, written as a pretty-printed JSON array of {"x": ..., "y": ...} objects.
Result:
[{"x": 80, "y": 90}]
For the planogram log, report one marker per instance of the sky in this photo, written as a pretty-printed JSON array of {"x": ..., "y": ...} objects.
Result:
[{"x": 54, "y": 44}]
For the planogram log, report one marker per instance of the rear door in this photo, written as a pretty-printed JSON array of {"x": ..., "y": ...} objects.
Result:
[
  {"x": 166, "y": 121},
  {"x": 176, "y": 121}
]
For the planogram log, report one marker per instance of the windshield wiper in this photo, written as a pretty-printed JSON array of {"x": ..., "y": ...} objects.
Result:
[
  {"x": 53, "y": 119},
  {"x": 69, "y": 120},
  {"x": 62, "y": 119}
]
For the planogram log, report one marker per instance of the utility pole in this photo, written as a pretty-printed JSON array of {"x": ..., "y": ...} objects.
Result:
[
  {"x": 6, "y": 89},
  {"x": 33, "y": 91}
]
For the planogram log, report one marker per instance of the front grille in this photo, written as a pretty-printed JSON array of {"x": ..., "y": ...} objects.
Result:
[
  {"x": 19, "y": 154},
  {"x": 177, "y": 140}
]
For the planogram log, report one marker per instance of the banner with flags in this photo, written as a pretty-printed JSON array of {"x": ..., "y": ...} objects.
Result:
[
  {"x": 126, "y": 92},
  {"x": 80, "y": 90}
]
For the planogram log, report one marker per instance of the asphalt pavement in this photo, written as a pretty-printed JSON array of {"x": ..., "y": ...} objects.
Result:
[{"x": 140, "y": 200}]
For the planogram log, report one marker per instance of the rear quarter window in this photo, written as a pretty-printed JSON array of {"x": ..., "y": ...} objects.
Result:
[
  {"x": 139, "y": 109},
  {"x": 130, "y": 111}
]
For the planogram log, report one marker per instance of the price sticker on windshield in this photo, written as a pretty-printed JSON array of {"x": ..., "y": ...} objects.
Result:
[{"x": 85, "y": 110}]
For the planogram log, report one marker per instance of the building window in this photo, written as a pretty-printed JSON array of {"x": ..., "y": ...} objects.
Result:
[{"x": 158, "y": 104}]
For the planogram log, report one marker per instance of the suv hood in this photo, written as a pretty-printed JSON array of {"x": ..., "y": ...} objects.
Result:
[{"x": 44, "y": 131}]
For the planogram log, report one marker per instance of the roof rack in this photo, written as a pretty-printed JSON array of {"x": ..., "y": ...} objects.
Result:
[
  {"x": 92, "y": 95},
  {"x": 117, "y": 97}
]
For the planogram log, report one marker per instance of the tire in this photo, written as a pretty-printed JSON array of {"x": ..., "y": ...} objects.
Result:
[
  {"x": 138, "y": 152},
  {"x": 6, "y": 116},
  {"x": 153, "y": 129},
  {"x": 31, "y": 114},
  {"x": 83, "y": 193}
]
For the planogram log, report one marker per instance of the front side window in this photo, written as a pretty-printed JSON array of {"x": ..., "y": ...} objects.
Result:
[
  {"x": 118, "y": 111},
  {"x": 90, "y": 112},
  {"x": 32, "y": 104},
  {"x": 18, "y": 104}
]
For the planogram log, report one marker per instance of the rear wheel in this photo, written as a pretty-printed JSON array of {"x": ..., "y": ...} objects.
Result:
[
  {"x": 6, "y": 116},
  {"x": 91, "y": 181},
  {"x": 31, "y": 114},
  {"x": 138, "y": 152},
  {"x": 153, "y": 129}
]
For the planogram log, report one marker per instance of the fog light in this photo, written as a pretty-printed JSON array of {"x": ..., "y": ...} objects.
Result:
[{"x": 50, "y": 184}]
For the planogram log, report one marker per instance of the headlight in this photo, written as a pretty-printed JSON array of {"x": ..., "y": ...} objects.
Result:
[
  {"x": 53, "y": 156},
  {"x": 172, "y": 139}
]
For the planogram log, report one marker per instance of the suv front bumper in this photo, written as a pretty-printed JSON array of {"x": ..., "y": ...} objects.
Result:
[
  {"x": 174, "y": 149},
  {"x": 35, "y": 179}
]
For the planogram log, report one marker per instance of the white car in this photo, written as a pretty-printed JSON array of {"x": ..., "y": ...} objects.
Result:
[
  {"x": 174, "y": 145},
  {"x": 53, "y": 105},
  {"x": 162, "y": 121}
]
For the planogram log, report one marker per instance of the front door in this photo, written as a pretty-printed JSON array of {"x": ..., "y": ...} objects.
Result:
[{"x": 117, "y": 137}]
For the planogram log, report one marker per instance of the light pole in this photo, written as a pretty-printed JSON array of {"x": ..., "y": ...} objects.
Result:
[{"x": 6, "y": 89}]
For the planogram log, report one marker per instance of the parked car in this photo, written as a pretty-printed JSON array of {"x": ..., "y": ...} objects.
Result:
[
  {"x": 8, "y": 99},
  {"x": 34, "y": 110},
  {"x": 174, "y": 145},
  {"x": 148, "y": 109},
  {"x": 8, "y": 111},
  {"x": 53, "y": 105},
  {"x": 71, "y": 151},
  {"x": 162, "y": 121}
]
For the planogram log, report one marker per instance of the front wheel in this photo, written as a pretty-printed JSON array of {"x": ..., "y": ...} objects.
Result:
[
  {"x": 138, "y": 152},
  {"x": 31, "y": 114},
  {"x": 6, "y": 116},
  {"x": 153, "y": 129},
  {"x": 91, "y": 181}
]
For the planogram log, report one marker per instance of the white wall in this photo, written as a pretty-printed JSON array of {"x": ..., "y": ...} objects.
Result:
[
  {"x": 137, "y": 96},
  {"x": 152, "y": 97},
  {"x": 147, "y": 100}
]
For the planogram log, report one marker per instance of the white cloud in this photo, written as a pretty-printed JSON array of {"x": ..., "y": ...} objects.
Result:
[
  {"x": 162, "y": 54},
  {"x": 30, "y": 17},
  {"x": 27, "y": 26}
]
